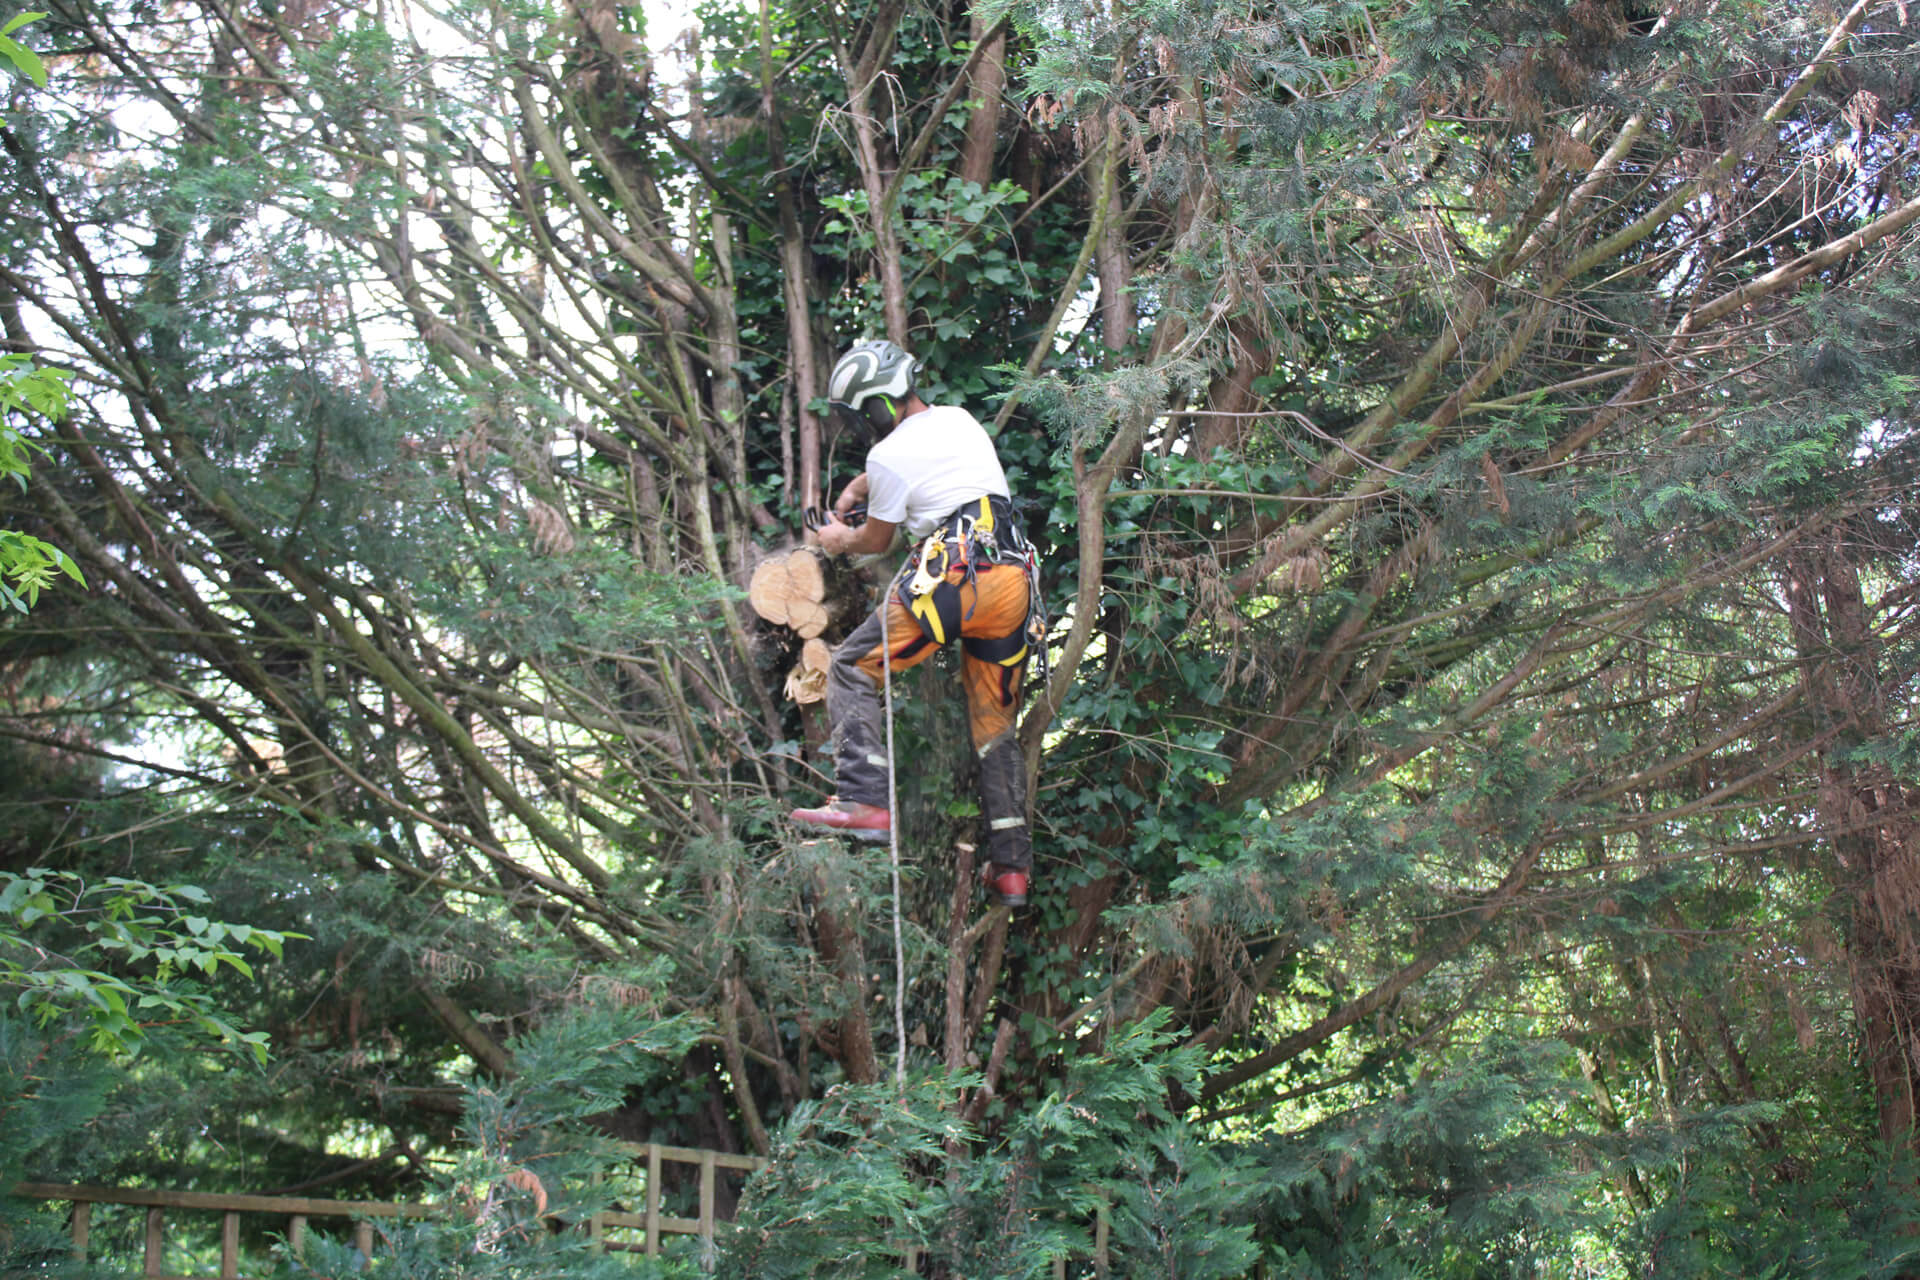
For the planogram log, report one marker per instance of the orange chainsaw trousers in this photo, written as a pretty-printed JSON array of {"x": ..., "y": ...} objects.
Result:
[{"x": 992, "y": 614}]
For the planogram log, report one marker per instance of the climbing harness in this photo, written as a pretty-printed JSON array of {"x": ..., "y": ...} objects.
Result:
[{"x": 981, "y": 535}]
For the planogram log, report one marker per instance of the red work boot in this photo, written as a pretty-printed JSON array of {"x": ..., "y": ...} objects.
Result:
[
  {"x": 861, "y": 821},
  {"x": 1005, "y": 886}
]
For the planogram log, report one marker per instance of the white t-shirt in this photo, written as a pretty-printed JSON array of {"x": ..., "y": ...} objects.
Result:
[{"x": 928, "y": 466}]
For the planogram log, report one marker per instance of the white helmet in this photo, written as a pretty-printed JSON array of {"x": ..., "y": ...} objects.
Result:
[{"x": 869, "y": 383}]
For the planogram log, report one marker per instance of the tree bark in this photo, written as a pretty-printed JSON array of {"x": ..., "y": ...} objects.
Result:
[
  {"x": 1870, "y": 823},
  {"x": 988, "y": 81}
]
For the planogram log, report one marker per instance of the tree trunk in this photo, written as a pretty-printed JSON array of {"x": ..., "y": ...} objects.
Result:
[
  {"x": 983, "y": 126},
  {"x": 1869, "y": 821}
]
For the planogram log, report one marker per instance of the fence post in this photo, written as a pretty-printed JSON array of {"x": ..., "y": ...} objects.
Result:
[
  {"x": 230, "y": 1246},
  {"x": 363, "y": 1238},
  {"x": 155, "y": 1243},
  {"x": 296, "y": 1235},
  {"x": 653, "y": 1198},
  {"x": 82, "y": 1221},
  {"x": 706, "y": 1196}
]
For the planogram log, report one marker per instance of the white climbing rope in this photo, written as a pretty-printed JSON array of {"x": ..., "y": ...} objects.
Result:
[{"x": 893, "y": 852}]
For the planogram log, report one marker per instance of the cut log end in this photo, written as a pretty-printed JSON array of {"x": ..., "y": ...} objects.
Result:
[
  {"x": 791, "y": 591},
  {"x": 770, "y": 590},
  {"x": 807, "y": 618},
  {"x": 808, "y": 572}
]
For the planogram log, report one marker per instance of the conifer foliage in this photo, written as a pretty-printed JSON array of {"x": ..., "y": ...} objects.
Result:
[{"x": 1472, "y": 448}]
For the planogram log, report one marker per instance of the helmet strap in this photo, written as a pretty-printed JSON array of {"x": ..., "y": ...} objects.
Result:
[{"x": 880, "y": 414}]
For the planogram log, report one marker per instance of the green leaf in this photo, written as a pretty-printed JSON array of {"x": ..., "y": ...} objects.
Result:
[{"x": 25, "y": 60}]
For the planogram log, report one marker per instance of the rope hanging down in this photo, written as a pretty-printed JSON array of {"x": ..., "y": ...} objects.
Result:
[{"x": 893, "y": 856}]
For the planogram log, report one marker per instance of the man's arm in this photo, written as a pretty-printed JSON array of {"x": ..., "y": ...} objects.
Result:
[
  {"x": 871, "y": 538},
  {"x": 853, "y": 495}
]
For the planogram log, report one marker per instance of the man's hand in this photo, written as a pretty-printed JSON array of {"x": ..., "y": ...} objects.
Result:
[
  {"x": 838, "y": 538},
  {"x": 834, "y": 536}
]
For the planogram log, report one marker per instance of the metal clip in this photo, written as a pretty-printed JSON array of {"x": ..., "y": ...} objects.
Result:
[{"x": 925, "y": 576}]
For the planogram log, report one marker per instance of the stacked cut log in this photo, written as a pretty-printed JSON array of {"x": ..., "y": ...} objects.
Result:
[
  {"x": 802, "y": 590},
  {"x": 790, "y": 590}
]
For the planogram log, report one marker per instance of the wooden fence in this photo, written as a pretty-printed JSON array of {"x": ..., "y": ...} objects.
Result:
[
  {"x": 297, "y": 1211},
  {"x": 652, "y": 1224}
]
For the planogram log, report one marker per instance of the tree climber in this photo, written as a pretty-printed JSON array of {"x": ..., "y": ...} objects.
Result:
[{"x": 972, "y": 576}]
